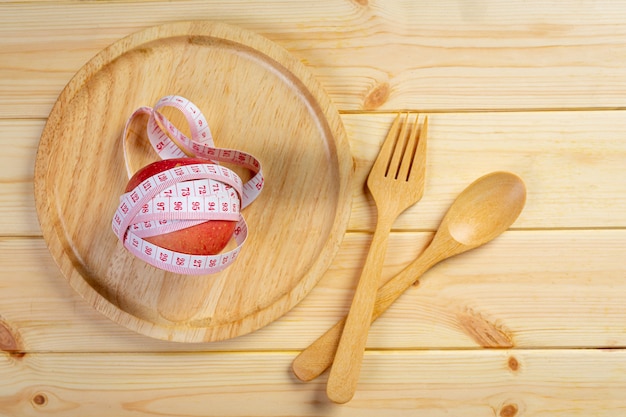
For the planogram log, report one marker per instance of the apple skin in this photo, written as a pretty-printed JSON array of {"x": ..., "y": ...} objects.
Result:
[{"x": 208, "y": 238}]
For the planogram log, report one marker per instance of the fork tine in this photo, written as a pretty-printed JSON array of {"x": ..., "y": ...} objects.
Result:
[
  {"x": 419, "y": 160},
  {"x": 381, "y": 164},
  {"x": 394, "y": 163},
  {"x": 409, "y": 152}
]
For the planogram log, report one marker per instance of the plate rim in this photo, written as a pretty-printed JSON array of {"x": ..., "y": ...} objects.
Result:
[{"x": 45, "y": 209}]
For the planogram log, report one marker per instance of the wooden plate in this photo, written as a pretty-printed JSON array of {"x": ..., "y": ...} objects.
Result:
[{"x": 257, "y": 98}]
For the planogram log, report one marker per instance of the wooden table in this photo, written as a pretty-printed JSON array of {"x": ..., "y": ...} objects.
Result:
[{"x": 533, "y": 324}]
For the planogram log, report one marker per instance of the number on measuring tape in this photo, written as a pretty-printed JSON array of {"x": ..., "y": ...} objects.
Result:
[{"x": 184, "y": 196}]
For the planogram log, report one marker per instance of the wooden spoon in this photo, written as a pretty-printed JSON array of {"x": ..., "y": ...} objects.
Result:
[{"x": 484, "y": 210}]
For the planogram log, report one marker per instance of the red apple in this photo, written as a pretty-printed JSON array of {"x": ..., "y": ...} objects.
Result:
[{"x": 208, "y": 238}]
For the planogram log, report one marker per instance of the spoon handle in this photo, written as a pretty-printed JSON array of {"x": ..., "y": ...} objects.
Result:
[{"x": 316, "y": 358}]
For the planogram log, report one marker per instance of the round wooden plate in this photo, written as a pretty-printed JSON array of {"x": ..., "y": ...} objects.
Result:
[{"x": 257, "y": 98}]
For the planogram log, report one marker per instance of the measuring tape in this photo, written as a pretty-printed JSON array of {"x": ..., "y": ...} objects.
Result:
[{"x": 185, "y": 195}]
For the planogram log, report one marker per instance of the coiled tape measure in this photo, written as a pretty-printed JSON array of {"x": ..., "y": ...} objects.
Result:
[{"x": 185, "y": 195}]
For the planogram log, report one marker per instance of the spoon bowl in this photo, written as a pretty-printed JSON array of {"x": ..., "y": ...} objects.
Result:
[{"x": 484, "y": 210}]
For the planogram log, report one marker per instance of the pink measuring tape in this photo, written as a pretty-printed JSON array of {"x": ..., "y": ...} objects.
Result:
[{"x": 186, "y": 195}]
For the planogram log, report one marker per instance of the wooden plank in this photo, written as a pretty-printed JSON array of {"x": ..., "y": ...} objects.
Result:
[
  {"x": 503, "y": 383},
  {"x": 445, "y": 55},
  {"x": 572, "y": 162},
  {"x": 527, "y": 289}
]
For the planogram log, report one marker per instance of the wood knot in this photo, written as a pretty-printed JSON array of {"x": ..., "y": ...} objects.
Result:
[
  {"x": 377, "y": 96},
  {"x": 40, "y": 399},
  {"x": 508, "y": 410},
  {"x": 10, "y": 340},
  {"x": 513, "y": 364},
  {"x": 484, "y": 332},
  {"x": 363, "y": 3}
]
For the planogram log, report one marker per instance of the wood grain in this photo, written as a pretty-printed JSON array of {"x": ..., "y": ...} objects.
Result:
[
  {"x": 588, "y": 148},
  {"x": 408, "y": 383},
  {"x": 448, "y": 56},
  {"x": 569, "y": 161},
  {"x": 19, "y": 140},
  {"x": 511, "y": 288}
]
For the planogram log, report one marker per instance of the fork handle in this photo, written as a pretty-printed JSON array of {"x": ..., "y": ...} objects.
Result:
[{"x": 346, "y": 368}]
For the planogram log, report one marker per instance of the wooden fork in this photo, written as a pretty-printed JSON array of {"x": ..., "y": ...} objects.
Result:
[{"x": 396, "y": 182}]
